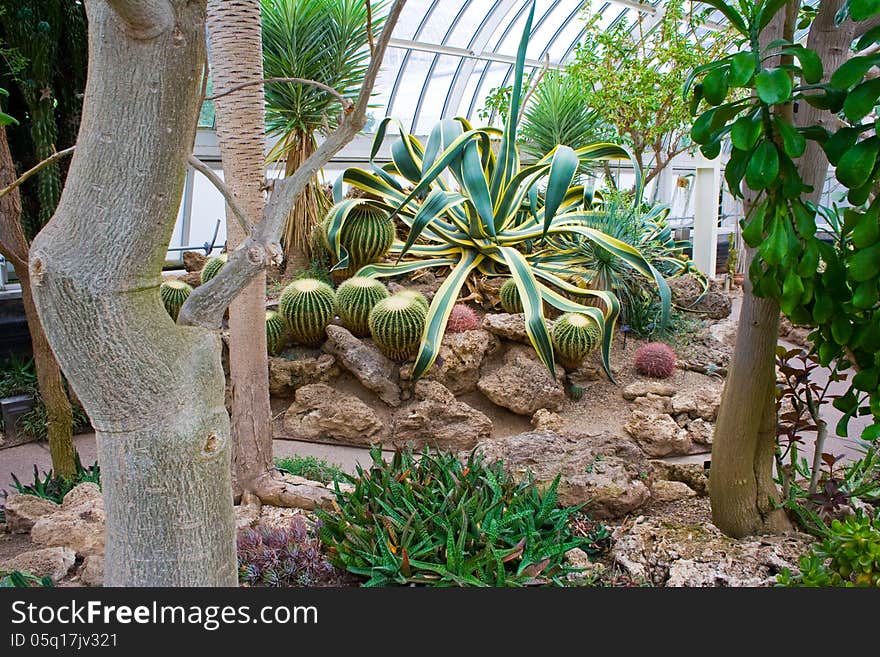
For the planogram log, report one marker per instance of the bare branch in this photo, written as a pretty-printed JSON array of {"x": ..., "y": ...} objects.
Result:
[
  {"x": 206, "y": 304},
  {"x": 214, "y": 179},
  {"x": 370, "y": 27},
  {"x": 346, "y": 103},
  {"x": 145, "y": 19},
  {"x": 864, "y": 27},
  {"x": 52, "y": 159}
]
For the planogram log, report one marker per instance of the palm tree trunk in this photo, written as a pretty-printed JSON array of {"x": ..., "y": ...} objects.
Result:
[{"x": 309, "y": 209}]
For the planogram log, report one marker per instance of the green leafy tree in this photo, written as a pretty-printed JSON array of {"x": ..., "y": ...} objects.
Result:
[{"x": 631, "y": 75}]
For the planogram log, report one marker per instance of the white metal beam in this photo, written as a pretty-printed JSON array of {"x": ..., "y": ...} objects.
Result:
[{"x": 437, "y": 49}]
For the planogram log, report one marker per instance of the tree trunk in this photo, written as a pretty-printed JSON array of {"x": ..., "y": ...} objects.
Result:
[
  {"x": 742, "y": 492},
  {"x": 235, "y": 30},
  {"x": 14, "y": 247},
  {"x": 153, "y": 390}
]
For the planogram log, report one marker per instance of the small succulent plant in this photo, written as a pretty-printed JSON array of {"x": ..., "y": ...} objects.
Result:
[
  {"x": 213, "y": 266},
  {"x": 655, "y": 359},
  {"x": 277, "y": 333},
  {"x": 307, "y": 306},
  {"x": 396, "y": 324},
  {"x": 461, "y": 319},
  {"x": 174, "y": 293},
  {"x": 355, "y": 299},
  {"x": 509, "y": 295},
  {"x": 290, "y": 556},
  {"x": 575, "y": 336}
]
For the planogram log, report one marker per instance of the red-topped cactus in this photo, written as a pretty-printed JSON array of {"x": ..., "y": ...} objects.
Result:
[
  {"x": 655, "y": 359},
  {"x": 461, "y": 319}
]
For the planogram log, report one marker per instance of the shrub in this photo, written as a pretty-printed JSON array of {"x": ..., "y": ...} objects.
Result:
[
  {"x": 848, "y": 556},
  {"x": 436, "y": 521},
  {"x": 461, "y": 319},
  {"x": 311, "y": 468},
  {"x": 655, "y": 359},
  {"x": 290, "y": 556},
  {"x": 20, "y": 580},
  {"x": 54, "y": 488}
]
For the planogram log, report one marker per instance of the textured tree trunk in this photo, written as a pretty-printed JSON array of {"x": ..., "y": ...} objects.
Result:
[
  {"x": 153, "y": 390},
  {"x": 235, "y": 31},
  {"x": 14, "y": 247},
  {"x": 309, "y": 209},
  {"x": 742, "y": 492}
]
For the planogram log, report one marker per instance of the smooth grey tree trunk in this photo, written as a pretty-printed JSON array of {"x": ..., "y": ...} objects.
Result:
[{"x": 154, "y": 390}]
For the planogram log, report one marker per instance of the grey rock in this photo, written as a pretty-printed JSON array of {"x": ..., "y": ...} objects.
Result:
[
  {"x": 458, "y": 362},
  {"x": 52, "y": 562},
  {"x": 22, "y": 511},
  {"x": 80, "y": 527},
  {"x": 645, "y": 388},
  {"x": 364, "y": 360},
  {"x": 92, "y": 573},
  {"x": 286, "y": 375},
  {"x": 522, "y": 384},
  {"x": 658, "y": 435},
  {"x": 509, "y": 327},
  {"x": 671, "y": 491},
  {"x": 320, "y": 413},
  {"x": 699, "y": 403}
]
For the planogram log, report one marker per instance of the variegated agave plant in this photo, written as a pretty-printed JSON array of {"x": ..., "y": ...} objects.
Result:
[{"x": 495, "y": 219}]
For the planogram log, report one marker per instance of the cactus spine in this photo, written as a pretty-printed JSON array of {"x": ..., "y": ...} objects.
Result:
[
  {"x": 367, "y": 235},
  {"x": 173, "y": 294},
  {"x": 574, "y": 336},
  {"x": 213, "y": 266},
  {"x": 277, "y": 334},
  {"x": 307, "y": 306},
  {"x": 397, "y": 324},
  {"x": 510, "y": 300},
  {"x": 414, "y": 295},
  {"x": 355, "y": 299}
]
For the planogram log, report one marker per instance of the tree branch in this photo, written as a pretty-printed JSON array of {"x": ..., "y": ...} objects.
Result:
[
  {"x": 206, "y": 304},
  {"x": 346, "y": 103},
  {"x": 145, "y": 19},
  {"x": 52, "y": 159},
  {"x": 214, "y": 179}
]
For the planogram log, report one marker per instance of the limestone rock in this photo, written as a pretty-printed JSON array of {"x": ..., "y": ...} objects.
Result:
[
  {"x": 724, "y": 332},
  {"x": 52, "y": 562},
  {"x": 652, "y": 404},
  {"x": 701, "y": 432},
  {"x": 78, "y": 526},
  {"x": 439, "y": 420},
  {"x": 645, "y": 388},
  {"x": 544, "y": 420},
  {"x": 671, "y": 491},
  {"x": 306, "y": 494},
  {"x": 608, "y": 473},
  {"x": 426, "y": 282},
  {"x": 92, "y": 573},
  {"x": 82, "y": 494},
  {"x": 699, "y": 403},
  {"x": 687, "y": 290},
  {"x": 577, "y": 558},
  {"x": 193, "y": 278},
  {"x": 320, "y": 412},
  {"x": 522, "y": 384},
  {"x": 692, "y": 474},
  {"x": 658, "y": 435},
  {"x": 458, "y": 363},
  {"x": 668, "y": 554},
  {"x": 22, "y": 511},
  {"x": 288, "y": 374},
  {"x": 194, "y": 261},
  {"x": 509, "y": 327},
  {"x": 366, "y": 362}
]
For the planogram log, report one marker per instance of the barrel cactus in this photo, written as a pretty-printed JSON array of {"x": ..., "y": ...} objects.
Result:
[
  {"x": 277, "y": 334},
  {"x": 461, "y": 319},
  {"x": 415, "y": 295},
  {"x": 397, "y": 324},
  {"x": 655, "y": 359},
  {"x": 510, "y": 300},
  {"x": 307, "y": 306},
  {"x": 574, "y": 336},
  {"x": 173, "y": 294},
  {"x": 212, "y": 267},
  {"x": 366, "y": 235},
  {"x": 355, "y": 299}
]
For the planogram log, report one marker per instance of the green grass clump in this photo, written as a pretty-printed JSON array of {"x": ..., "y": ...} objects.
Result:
[{"x": 312, "y": 468}]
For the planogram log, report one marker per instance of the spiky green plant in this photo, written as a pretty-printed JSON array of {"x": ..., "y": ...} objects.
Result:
[
  {"x": 396, "y": 324},
  {"x": 212, "y": 267},
  {"x": 361, "y": 232},
  {"x": 173, "y": 294},
  {"x": 277, "y": 333},
  {"x": 307, "y": 306},
  {"x": 416, "y": 296},
  {"x": 509, "y": 296},
  {"x": 322, "y": 40},
  {"x": 497, "y": 224},
  {"x": 355, "y": 299},
  {"x": 575, "y": 336}
]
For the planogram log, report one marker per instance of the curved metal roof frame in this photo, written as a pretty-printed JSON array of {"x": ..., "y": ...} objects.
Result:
[{"x": 490, "y": 26}]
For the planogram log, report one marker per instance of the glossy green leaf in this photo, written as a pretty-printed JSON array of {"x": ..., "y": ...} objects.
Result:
[
  {"x": 753, "y": 231},
  {"x": 861, "y": 100},
  {"x": 767, "y": 11},
  {"x": 868, "y": 38},
  {"x": 856, "y": 164},
  {"x": 823, "y": 307},
  {"x": 826, "y": 97},
  {"x": 793, "y": 142},
  {"x": 775, "y": 247},
  {"x": 866, "y": 230},
  {"x": 839, "y": 143},
  {"x": 763, "y": 166},
  {"x": 745, "y": 132},
  {"x": 861, "y": 10},
  {"x": 811, "y": 64},
  {"x": 438, "y": 202},
  {"x": 865, "y": 295},
  {"x": 809, "y": 261},
  {"x": 773, "y": 85},
  {"x": 841, "y": 329},
  {"x": 742, "y": 68},
  {"x": 736, "y": 169},
  {"x": 563, "y": 167},
  {"x": 732, "y": 15},
  {"x": 853, "y": 70},
  {"x": 865, "y": 264},
  {"x": 715, "y": 86}
]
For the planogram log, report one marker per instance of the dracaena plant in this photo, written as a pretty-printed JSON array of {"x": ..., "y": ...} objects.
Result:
[
  {"x": 832, "y": 285},
  {"x": 471, "y": 208}
]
